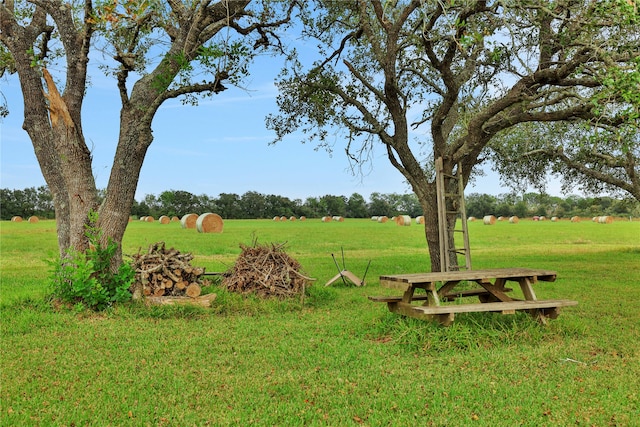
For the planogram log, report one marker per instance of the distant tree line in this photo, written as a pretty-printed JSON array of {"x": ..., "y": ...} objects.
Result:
[
  {"x": 531, "y": 204},
  {"x": 250, "y": 205},
  {"x": 256, "y": 205},
  {"x": 25, "y": 203}
]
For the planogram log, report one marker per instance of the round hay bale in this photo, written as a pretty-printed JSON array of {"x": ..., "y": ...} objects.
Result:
[
  {"x": 164, "y": 219},
  {"x": 142, "y": 218},
  {"x": 276, "y": 218},
  {"x": 326, "y": 219},
  {"x": 175, "y": 219},
  {"x": 149, "y": 218},
  {"x": 471, "y": 219},
  {"x": 500, "y": 218},
  {"x": 420, "y": 219},
  {"x": 33, "y": 219},
  {"x": 338, "y": 218},
  {"x": 605, "y": 219},
  {"x": 403, "y": 220},
  {"x": 575, "y": 219},
  {"x": 374, "y": 218},
  {"x": 383, "y": 219},
  {"x": 16, "y": 218},
  {"x": 303, "y": 218},
  {"x": 554, "y": 219},
  {"x": 292, "y": 218},
  {"x": 514, "y": 219},
  {"x": 542, "y": 218},
  {"x": 189, "y": 220},
  {"x": 489, "y": 220},
  {"x": 209, "y": 223}
]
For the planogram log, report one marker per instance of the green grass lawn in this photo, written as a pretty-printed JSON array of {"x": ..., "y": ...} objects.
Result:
[{"x": 337, "y": 358}]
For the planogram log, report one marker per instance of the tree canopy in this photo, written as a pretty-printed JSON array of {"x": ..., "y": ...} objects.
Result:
[
  {"x": 425, "y": 80},
  {"x": 155, "y": 51}
]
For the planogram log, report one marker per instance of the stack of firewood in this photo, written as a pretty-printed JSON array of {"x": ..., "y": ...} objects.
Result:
[
  {"x": 166, "y": 272},
  {"x": 266, "y": 270}
]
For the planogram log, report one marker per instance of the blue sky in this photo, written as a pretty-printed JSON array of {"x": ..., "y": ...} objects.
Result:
[{"x": 219, "y": 146}]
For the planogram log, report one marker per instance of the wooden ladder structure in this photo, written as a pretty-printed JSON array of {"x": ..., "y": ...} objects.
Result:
[{"x": 451, "y": 201}]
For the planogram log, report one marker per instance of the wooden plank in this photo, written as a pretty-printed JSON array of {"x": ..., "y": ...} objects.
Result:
[
  {"x": 507, "y": 306},
  {"x": 403, "y": 285},
  {"x": 473, "y": 275},
  {"x": 394, "y": 284},
  {"x": 446, "y": 319},
  {"x": 497, "y": 290},
  {"x": 452, "y": 295},
  {"x": 202, "y": 300},
  {"x": 527, "y": 289}
]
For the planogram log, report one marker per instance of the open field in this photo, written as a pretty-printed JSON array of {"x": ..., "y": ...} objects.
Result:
[{"x": 337, "y": 358}]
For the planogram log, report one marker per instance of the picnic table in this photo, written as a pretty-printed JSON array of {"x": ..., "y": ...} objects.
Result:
[{"x": 440, "y": 287}]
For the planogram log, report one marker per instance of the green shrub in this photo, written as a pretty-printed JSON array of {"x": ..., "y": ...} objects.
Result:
[{"x": 86, "y": 279}]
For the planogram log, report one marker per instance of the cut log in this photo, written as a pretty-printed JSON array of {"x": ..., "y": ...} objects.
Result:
[
  {"x": 193, "y": 290},
  {"x": 203, "y": 300},
  {"x": 164, "y": 272}
]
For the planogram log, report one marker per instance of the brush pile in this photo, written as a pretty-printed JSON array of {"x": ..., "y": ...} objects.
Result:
[
  {"x": 165, "y": 272},
  {"x": 267, "y": 271}
]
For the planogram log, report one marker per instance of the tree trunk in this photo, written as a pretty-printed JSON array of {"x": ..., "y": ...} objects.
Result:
[
  {"x": 430, "y": 208},
  {"x": 134, "y": 140},
  {"x": 75, "y": 164},
  {"x": 63, "y": 158}
]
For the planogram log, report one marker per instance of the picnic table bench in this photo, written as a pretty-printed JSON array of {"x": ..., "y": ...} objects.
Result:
[{"x": 492, "y": 293}]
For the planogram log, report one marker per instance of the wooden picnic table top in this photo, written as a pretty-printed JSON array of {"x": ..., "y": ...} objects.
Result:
[
  {"x": 474, "y": 275},
  {"x": 492, "y": 293}
]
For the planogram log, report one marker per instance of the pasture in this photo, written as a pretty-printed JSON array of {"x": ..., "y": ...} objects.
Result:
[{"x": 334, "y": 358}]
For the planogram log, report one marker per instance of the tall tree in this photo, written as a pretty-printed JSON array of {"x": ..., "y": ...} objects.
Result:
[
  {"x": 157, "y": 47},
  {"x": 430, "y": 79}
]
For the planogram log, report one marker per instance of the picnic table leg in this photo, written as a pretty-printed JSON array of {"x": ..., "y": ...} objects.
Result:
[
  {"x": 408, "y": 294},
  {"x": 447, "y": 287},
  {"x": 539, "y": 314},
  {"x": 495, "y": 290},
  {"x": 432, "y": 297},
  {"x": 527, "y": 289}
]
